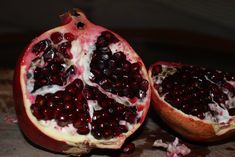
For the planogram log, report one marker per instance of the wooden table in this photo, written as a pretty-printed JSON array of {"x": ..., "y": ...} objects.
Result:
[{"x": 14, "y": 144}]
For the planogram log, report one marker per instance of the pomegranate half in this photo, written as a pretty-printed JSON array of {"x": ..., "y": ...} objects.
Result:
[
  {"x": 80, "y": 86},
  {"x": 197, "y": 102}
]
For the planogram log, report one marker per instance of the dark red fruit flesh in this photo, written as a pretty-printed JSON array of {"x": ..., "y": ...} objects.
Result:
[
  {"x": 128, "y": 148},
  {"x": 113, "y": 72},
  {"x": 69, "y": 105},
  {"x": 191, "y": 88}
]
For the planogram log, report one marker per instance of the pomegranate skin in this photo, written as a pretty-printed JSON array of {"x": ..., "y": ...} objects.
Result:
[
  {"x": 189, "y": 127},
  {"x": 37, "y": 136}
]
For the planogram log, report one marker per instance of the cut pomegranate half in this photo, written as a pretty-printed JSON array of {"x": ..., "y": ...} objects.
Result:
[
  {"x": 80, "y": 86},
  {"x": 197, "y": 102}
]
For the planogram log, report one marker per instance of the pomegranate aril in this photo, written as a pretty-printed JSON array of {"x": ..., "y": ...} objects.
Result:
[
  {"x": 111, "y": 63},
  {"x": 69, "y": 106},
  {"x": 78, "y": 123},
  {"x": 55, "y": 80},
  {"x": 123, "y": 128},
  {"x": 126, "y": 66},
  {"x": 101, "y": 42},
  {"x": 109, "y": 37},
  {"x": 128, "y": 148},
  {"x": 47, "y": 113},
  {"x": 69, "y": 36},
  {"x": 144, "y": 85},
  {"x": 119, "y": 56},
  {"x": 67, "y": 97},
  {"x": 48, "y": 55},
  {"x": 96, "y": 134},
  {"x": 58, "y": 58},
  {"x": 83, "y": 130},
  {"x": 130, "y": 117},
  {"x": 135, "y": 67},
  {"x": 56, "y": 37},
  {"x": 58, "y": 95},
  {"x": 41, "y": 46},
  {"x": 107, "y": 133},
  {"x": 157, "y": 69},
  {"x": 55, "y": 68},
  {"x": 58, "y": 110},
  {"x": 40, "y": 100},
  {"x": 63, "y": 46},
  {"x": 62, "y": 120},
  {"x": 50, "y": 103},
  {"x": 88, "y": 94},
  {"x": 78, "y": 84},
  {"x": 36, "y": 110}
]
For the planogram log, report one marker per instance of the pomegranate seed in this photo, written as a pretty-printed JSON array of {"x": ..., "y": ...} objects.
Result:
[
  {"x": 48, "y": 55},
  {"x": 71, "y": 89},
  {"x": 70, "y": 70},
  {"x": 58, "y": 110},
  {"x": 50, "y": 103},
  {"x": 119, "y": 56},
  {"x": 157, "y": 69},
  {"x": 79, "y": 84},
  {"x": 135, "y": 67},
  {"x": 107, "y": 133},
  {"x": 83, "y": 130},
  {"x": 67, "y": 97},
  {"x": 88, "y": 94},
  {"x": 56, "y": 37},
  {"x": 36, "y": 111},
  {"x": 48, "y": 113},
  {"x": 55, "y": 68},
  {"x": 40, "y": 100},
  {"x": 97, "y": 134},
  {"x": 58, "y": 95},
  {"x": 78, "y": 123},
  {"x": 126, "y": 66},
  {"x": 63, "y": 46},
  {"x": 69, "y": 36},
  {"x": 41, "y": 46},
  {"x": 128, "y": 148},
  {"x": 62, "y": 120},
  {"x": 109, "y": 37},
  {"x": 101, "y": 42},
  {"x": 111, "y": 64},
  {"x": 123, "y": 128},
  {"x": 68, "y": 106},
  {"x": 55, "y": 80}
]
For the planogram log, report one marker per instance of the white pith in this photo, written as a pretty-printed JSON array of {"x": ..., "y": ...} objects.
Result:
[
  {"x": 83, "y": 48},
  {"x": 222, "y": 116}
]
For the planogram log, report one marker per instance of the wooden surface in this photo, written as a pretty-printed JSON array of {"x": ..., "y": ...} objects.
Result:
[{"x": 13, "y": 143}]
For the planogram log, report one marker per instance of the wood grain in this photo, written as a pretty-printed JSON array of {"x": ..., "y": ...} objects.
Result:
[{"x": 14, "y": 144}]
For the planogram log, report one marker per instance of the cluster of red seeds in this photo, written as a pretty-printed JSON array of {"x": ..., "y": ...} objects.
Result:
[
  {"x": 70, "y": 106},
  {"x": 54, "y": 52},
  {"x": 191, "y": 88},
  {"x": 113, "y": 72}
]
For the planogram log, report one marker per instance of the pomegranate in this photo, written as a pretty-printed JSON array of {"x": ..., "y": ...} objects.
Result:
[
  {"x": 80, "y": 86},
  {"x": 197, "y": 102}
]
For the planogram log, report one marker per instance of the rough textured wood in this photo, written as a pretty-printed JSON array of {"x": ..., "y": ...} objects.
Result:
[{"x": 13, "y": 143}]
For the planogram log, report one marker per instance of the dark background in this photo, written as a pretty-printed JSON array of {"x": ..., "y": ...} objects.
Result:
[{"x": 196, "y": 32}]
